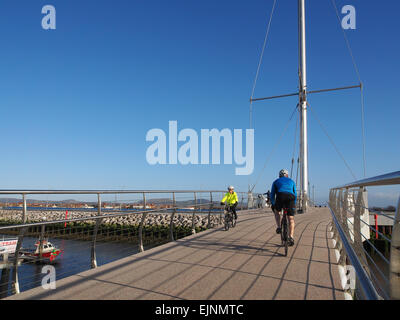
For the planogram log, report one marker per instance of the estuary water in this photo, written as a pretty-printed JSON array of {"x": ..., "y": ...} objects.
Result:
[{"x": 74, "y": 258}]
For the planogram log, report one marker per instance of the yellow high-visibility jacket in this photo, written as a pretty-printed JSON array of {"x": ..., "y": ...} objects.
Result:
[{"x": 230, "y": 198}]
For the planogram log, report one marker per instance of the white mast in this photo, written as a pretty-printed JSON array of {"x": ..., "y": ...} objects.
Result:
[
  {"x": 303, "y": 107},
  {"x": 303, "y": 199}
]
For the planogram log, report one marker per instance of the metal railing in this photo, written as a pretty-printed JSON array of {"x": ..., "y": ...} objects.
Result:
[
  {"x": 195, "y": 208},
  {"x": 377, "y": 273}
]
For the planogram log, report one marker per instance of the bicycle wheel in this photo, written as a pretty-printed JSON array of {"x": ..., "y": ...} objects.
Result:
[
  {"x": 282, "y": 234},
  {"x": 285, "y": 234},
  {"x": 226, "y": 222},
  {"x": 233, "y": 222}
]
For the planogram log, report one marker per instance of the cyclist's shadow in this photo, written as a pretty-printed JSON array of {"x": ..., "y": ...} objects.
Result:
[{"x": 267, "y": 249}]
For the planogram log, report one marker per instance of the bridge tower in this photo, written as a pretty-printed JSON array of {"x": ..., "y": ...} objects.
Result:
[{"x": 303, "y": 197}]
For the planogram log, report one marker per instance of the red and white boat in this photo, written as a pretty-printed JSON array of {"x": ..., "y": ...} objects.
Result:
[{"x": 49, "y": 252}]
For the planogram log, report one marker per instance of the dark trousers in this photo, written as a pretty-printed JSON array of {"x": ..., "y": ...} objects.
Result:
[{"x": 233, "y": 209}]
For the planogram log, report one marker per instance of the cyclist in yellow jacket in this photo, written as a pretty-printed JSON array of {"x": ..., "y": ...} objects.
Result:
[{"x": 231, "y": 199}]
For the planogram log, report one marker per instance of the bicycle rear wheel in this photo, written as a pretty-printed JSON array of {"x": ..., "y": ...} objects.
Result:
[
  {"x": 286, "y": 244},
  {"x": 285, "y": 238}
]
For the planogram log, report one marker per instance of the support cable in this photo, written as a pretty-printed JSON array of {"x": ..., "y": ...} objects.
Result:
[
  {"x": 260, "y": 62},
  {"x": 361, "y": 84},
  {"x": 294, "y": 145},
  {"x": 274, "y": 148},
  {"x": 331, "y": 141}
]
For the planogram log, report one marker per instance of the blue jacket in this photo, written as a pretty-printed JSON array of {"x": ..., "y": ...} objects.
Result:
[{"x": 283, "y": 184}]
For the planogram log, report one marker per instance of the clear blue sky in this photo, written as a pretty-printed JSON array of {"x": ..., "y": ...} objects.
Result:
[{"x": 76, "y": 102}]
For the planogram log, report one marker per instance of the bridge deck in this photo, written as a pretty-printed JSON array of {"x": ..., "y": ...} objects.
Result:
[{"x": 243, "y": 263}]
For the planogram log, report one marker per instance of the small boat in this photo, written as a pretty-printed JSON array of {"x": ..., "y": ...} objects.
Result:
[{"x": 49, "y": 252}]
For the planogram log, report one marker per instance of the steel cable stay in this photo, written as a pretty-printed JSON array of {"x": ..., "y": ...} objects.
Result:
[
  {"x": 331, "y": 141},
  {"x": 360, "y": 81},
  {"x": 297, "y": 171},
  {"x": 294, "y": 146},
  {"x": 274, "y": 148},
  {"x": 303, "y": 92},
  {"x": 260, "y": 62},
  {"x": 347, "y": 41}
]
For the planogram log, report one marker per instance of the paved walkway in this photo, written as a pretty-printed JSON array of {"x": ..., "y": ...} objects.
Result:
[{"x": 243, "y": 263}]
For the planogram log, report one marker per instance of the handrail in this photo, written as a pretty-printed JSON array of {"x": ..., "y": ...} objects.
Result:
[
  {"x": 99, "y": 216},
  {"x": 350, "y": 213},
  {"x": 366, "y": 284},
  {"x": 18, "y": 191},
  {"x": 383, "y": 180}
]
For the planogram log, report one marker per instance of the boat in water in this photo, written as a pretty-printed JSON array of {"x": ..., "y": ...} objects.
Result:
[{"x": 48, "y": 253}]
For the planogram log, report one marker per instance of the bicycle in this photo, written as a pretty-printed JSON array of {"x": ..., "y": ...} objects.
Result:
[
  {"x": 284, "y": 231},
  {"x": 229, "y": 221}
]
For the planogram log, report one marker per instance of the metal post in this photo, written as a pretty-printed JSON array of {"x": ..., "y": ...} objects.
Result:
[
  {"x": 5, "y": 276},
  {"x": 249, "y": 200},
  {"x": 341, "y": 216},
  {"x": 220, "y": 213},
  {"x": 96, "y": 228},
  {"x": 303, "y": 106},
  {"x": 209, "y": 212},
  {"x": 395, "y": 257},
  {"x": 338, "y": 201},
  {"x": 346, "y": 225},
  {"x": 358, "y": 234},
  {"x": 141, "y": 248},
  {"x": 171, "y": 226},
  {"x": 41, "y": 240},
  {"x": 15, "y": 283},
  {"x": 24, "y": 208},
  {"x": 194, "y": 212}
]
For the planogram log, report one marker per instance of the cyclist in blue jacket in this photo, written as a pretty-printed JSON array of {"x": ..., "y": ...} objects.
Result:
[{"x": 283, "y": 195}]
